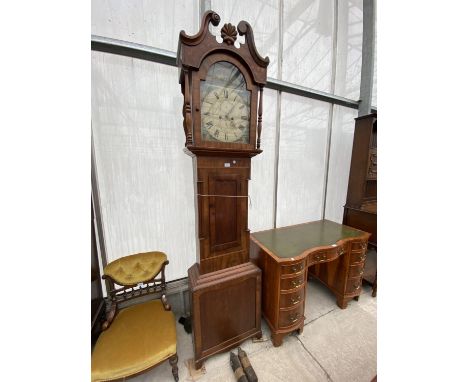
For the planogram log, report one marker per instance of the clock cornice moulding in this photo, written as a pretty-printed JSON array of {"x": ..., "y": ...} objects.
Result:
[{"x": 189, "y": 57}]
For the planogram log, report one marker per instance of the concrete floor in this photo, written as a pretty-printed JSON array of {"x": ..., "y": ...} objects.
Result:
[{"x": 336, "y": 345}]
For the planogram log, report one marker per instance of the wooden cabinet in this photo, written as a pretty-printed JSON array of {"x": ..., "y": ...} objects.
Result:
[
  {"x": 360, "y": 210},
  {"x": 362, "y": 184}
]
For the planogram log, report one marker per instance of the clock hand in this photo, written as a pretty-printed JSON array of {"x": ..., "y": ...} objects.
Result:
[{"x": 230, "y": 110}]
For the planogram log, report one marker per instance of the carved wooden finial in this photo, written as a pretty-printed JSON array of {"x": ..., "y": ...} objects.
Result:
[
  {"x": 229, "y": 34},
  {"x": 244, "y": 28}
]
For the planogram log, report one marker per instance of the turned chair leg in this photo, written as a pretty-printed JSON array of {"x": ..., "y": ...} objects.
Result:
[{"x": 175, "y": 370}]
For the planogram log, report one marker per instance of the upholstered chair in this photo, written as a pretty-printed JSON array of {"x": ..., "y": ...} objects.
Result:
[{"x": 135, "y": 337}]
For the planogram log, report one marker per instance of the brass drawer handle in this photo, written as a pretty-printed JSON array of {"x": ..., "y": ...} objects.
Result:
[
  {"x": 361, "y": 273},
  {"x": 295, "y": 283},
  {"x": 293, "y": 318},
  {"x": 295, "y": 269},
  {"x": 362, "y": 258},
  {"x": 321, "y": 257},
  {"x": 357, "y": 286},
  {"x": 296, "y": 300}
]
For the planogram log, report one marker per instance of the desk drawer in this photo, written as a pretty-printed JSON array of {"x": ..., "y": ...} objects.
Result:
[
  {"x": 357, "y": 246},
  {"x": 292, "y": 268},
  {"x": 290, "y": 317},
  {"x": 288, "y": 300},
  {"x": 356, "y": 270},
  {"x": 357, "y": 257},
  {"x": 353, "y": 285},
  {"x": 326, "y": 255},
  {"x": 292, "y": 283}
]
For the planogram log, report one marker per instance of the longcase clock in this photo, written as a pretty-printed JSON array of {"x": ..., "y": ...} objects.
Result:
[{"x": 222, "y": 86}]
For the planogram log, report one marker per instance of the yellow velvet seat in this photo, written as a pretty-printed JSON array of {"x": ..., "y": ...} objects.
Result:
[
  {"x": 140, "y": 336},
  {"x": 141, "y": 267}
]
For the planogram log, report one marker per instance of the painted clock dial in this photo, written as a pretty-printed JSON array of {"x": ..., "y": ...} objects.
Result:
[{"x": 225, "y": 105}]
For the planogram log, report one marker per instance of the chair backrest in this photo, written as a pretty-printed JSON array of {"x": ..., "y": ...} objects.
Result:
[{"x": 135, "y": 276}]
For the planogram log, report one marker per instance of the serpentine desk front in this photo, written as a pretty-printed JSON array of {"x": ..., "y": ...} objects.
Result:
[{"x": 332, "y": 253}]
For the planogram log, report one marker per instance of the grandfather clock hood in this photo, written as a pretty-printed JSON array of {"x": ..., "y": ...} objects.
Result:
[
  {"x": 190, "y": 57},
  {"x": 194, "y": 56}
]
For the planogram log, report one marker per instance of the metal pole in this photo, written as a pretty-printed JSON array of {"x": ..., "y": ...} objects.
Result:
[
  {"x": 161, "y": 56},
  {"x": 97, "y": 206},
  {"x": 278, "y": 113},
  {"x": 330, "y": 113},
  {"x": 367, "y": 69}
]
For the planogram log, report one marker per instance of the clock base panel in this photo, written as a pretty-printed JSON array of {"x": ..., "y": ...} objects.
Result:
[{"x": 226, "y": 308}]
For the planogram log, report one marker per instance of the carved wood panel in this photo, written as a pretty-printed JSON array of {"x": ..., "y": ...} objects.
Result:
[
  {"x": 372, "y": 165},
  {"x": 224, "y": 211}
]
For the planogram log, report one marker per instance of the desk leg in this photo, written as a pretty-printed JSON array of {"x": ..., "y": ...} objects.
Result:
[
  {"x": 277, "y": 339},
  {"x": 342, "y": 302},
  {"x": 198, "y": 365},
  {"x": 374, "y": 286}
]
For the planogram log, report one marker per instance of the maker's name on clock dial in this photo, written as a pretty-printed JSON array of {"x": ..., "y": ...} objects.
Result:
[{"x": 226, "y": 115}]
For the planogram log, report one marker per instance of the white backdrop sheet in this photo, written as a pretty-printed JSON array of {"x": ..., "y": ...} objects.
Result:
[
  {"x": 302, "y": 159},
  {"x": 145, "y": 180},
  {"x": 149, "y": 22},
  {"x": 341, "y": 147}
]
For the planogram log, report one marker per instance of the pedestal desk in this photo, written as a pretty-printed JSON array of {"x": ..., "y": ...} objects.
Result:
[{"x": 332, "y": 253}]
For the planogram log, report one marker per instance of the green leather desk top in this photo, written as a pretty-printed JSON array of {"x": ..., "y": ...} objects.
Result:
[{"x": 294, "y": 240}]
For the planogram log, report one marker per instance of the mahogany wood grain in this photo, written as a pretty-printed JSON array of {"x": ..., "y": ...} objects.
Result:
[
  {"x": 222, "y": 212},
  {"x": 225, "y": 287},
  {"x": 225, "y": 308},
  {"x": 360, "y": 210},
  {"x": 334, "y": 260}
]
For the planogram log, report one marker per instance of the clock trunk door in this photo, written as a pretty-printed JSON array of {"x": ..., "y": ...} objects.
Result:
[
  {"x": 222, "y": 212},
  {"x": 225, "y": 213}
]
